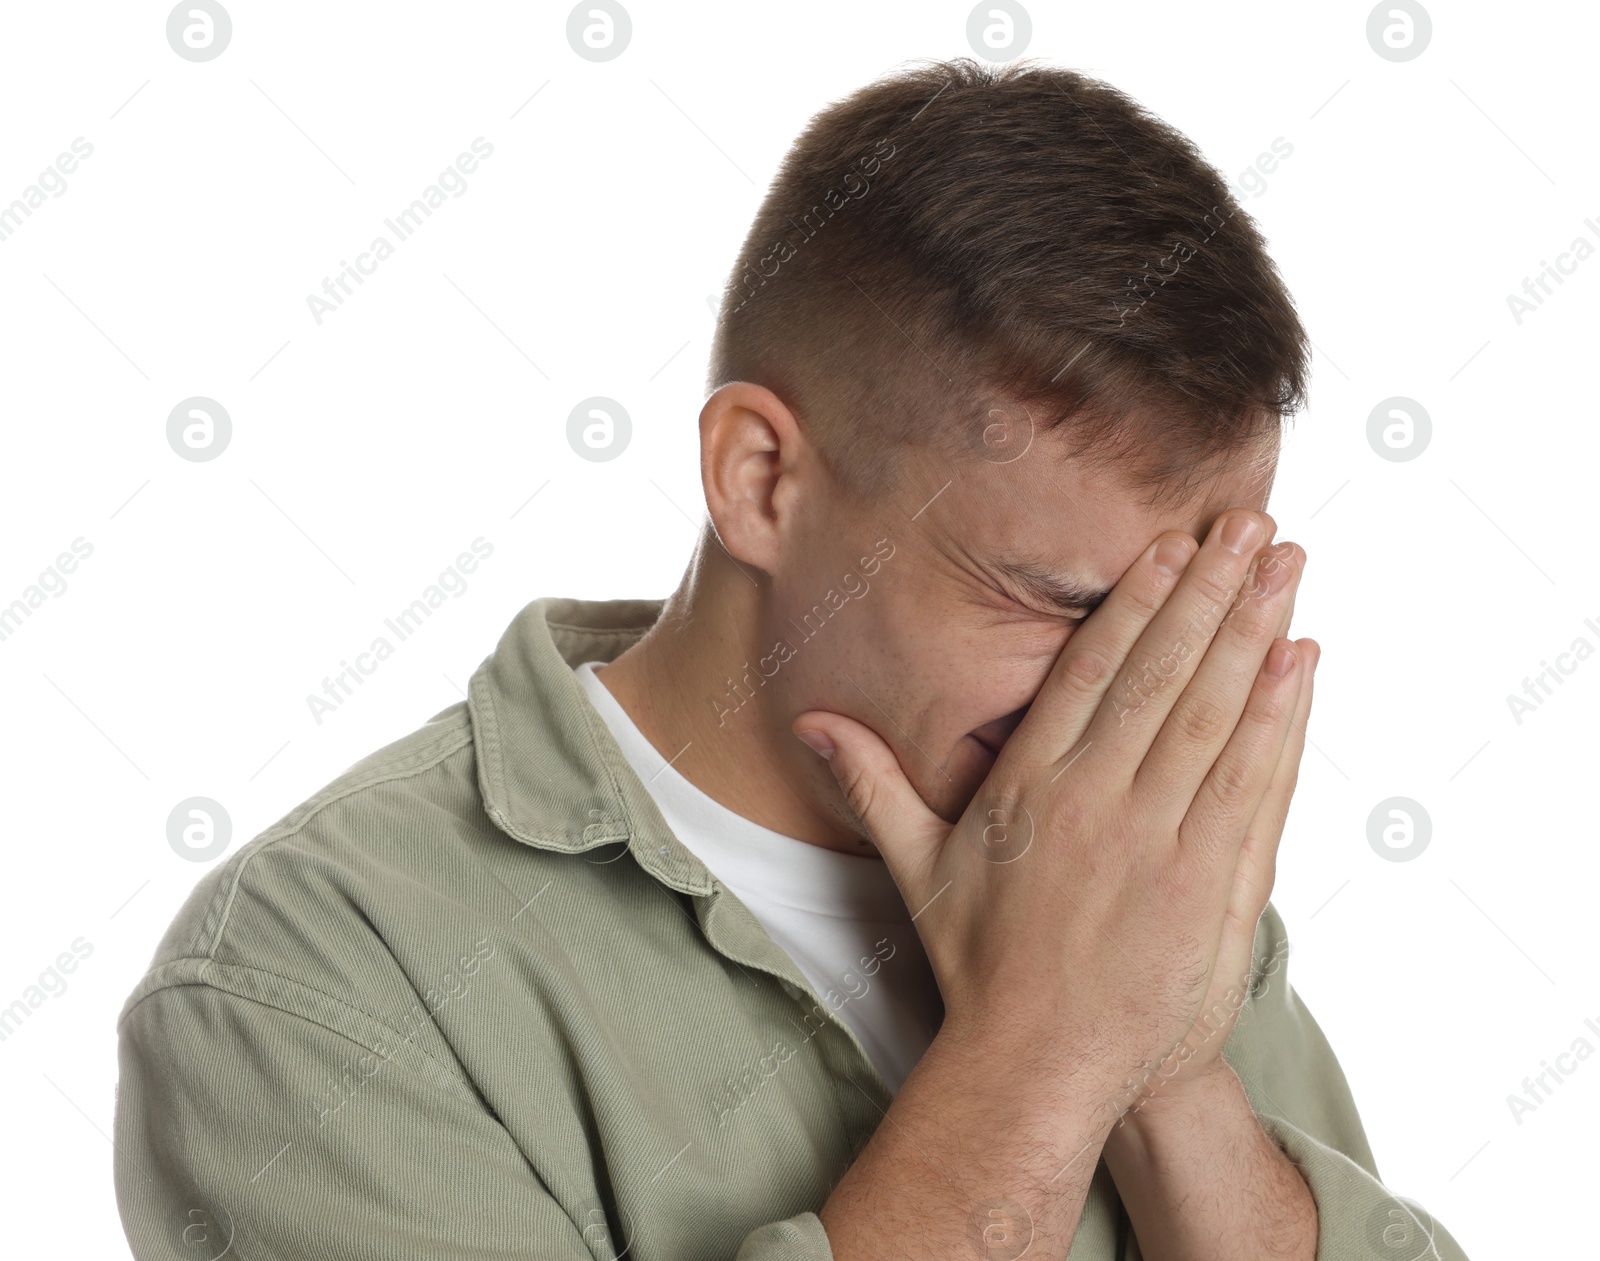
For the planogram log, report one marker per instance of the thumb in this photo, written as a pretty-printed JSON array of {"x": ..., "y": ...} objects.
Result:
[{"x": 899, "y": 822}]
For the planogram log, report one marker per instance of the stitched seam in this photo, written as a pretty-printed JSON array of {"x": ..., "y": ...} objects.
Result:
[
  {"x": 427, "y": 760},
  {"x": 595, "y": 630},
  {"x": 310, "y": 989}
]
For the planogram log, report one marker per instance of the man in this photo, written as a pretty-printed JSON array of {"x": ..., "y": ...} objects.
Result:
[{"x": 605, "y": 961}]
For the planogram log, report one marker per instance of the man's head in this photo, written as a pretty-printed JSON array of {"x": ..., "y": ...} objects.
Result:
[
  {"x": 932, "y": 614},
  {"x": 993, "y": 331},
  {"x": 955, "y": 243}
]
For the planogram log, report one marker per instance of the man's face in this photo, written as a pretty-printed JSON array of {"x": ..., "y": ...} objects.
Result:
[{"x": 942, "y": 649}]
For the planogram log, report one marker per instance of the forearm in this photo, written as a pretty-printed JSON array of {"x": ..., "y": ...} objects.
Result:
[
  {"x": 972, "y": 1153},
  {"x": 1202, "y": 1181}
]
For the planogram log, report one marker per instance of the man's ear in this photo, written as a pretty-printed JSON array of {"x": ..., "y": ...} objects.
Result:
[{"x": 755, "y": 465}]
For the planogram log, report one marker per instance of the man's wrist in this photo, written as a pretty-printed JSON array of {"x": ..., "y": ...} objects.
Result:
[
  {"x": 1181, "y": 1103},
  {"x": 1195, "y": 1166},
  {"x": 1062, "y": 1101}
]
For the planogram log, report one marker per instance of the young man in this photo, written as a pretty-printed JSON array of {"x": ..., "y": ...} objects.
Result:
[{"x": 606, "y": 961}]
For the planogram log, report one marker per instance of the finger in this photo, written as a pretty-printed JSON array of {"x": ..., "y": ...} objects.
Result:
[
  {"x": 1166, "y": 653},
  {"x": 1093, "y": 664},
  {"x": 1203, "y": 716},
  {"x": 1217, "y": 819},
  {"x": 899, "y": 822},
  {"x": 1258, "y": 857},
  {"x": 1257, "y": 867},
  {"x": 1084, "y": 670}
]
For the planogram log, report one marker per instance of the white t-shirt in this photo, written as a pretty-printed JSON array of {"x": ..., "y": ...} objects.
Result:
[{"x": 840, "y": 917}]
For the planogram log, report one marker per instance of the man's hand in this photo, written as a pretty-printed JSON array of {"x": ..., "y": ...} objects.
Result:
[
  {"x": 1134, "y": 777},
  {"x": 1104, "y": 881},
  {"x": 1253, "y": 880}
]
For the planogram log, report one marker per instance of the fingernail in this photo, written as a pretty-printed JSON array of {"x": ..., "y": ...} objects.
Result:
[
  {"x": 818, "y": 743},
  {"x": 1240, "y": 534},
  {"x": 1272, "y": 571},
  {"x": 1172, "y": 554},
  {"x": 1280, "y": 660}
]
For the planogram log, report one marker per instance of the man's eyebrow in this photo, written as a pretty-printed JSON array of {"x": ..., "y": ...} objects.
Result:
[{"x": 1062, "y": 592}]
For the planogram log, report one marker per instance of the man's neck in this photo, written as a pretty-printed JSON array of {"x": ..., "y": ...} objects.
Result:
[{"x": 672, "y": 684}]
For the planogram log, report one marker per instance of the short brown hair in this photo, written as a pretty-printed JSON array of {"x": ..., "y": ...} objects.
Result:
[{"x": 959, "y": 236}]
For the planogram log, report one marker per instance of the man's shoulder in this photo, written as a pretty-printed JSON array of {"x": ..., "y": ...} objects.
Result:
[
  {"x": 366, "y": 813},
  {"x": 299, "y": 899}
]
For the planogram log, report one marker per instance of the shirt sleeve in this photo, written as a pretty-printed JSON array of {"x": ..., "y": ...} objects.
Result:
[
  {"x": 797, "y": 1238},
  {"x": 1299, "y": 1093},
  {"x": 246, "y": 1130}
]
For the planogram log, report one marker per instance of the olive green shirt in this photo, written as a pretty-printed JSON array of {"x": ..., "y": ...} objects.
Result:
[{"x": 473, "y": 999}]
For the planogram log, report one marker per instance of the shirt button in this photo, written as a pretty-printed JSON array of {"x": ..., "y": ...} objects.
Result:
[{"x": 662, "y": 850}]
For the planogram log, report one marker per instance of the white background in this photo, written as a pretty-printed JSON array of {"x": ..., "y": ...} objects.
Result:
[{"x": 369, "y": 451}]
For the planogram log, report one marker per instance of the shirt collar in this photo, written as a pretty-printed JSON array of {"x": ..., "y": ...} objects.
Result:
[
  {"x": 552, "y": 776},
  {"x": 549, "y": 770}
]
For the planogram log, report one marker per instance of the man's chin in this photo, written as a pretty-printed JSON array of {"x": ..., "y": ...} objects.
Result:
[{"x": 946, "y": 792}]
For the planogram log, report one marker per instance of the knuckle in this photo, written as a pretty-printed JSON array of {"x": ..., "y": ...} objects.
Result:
[
  {"x": 1251, "y": 620},
  {"x": 1261, "y": 716},
  {"x": 1146, "y": 599},
  {"x": 857, "y": 785},
  {"x": 1199, "y": 718},
  {"x": 1217, "y": 589},
  {"x": 1232, "y": 783},
  {"x": 1004, "y": 798},
  {"x": 1087, "y": 669}
]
